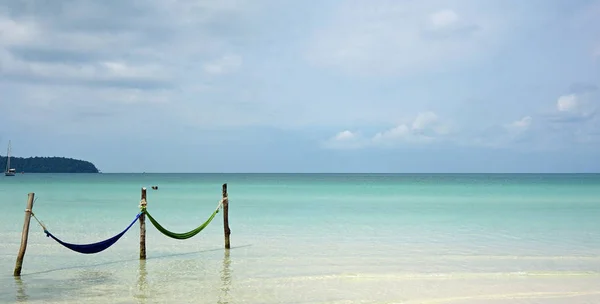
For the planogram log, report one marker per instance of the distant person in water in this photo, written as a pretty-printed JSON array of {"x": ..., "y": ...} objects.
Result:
[{"x": 154, "y": 187}]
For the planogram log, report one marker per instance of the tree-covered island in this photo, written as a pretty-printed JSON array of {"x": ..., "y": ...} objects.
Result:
[{"x": 49, "y": 165}]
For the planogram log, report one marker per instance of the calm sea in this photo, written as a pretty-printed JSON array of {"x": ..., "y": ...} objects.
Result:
[{"x": 308, "y": 238}]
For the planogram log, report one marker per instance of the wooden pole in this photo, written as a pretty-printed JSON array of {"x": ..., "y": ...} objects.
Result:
[
  {"x": 24, "y": 235},
  {"x": 226, "y": 217},
  {"x": 143, "y": 227}
]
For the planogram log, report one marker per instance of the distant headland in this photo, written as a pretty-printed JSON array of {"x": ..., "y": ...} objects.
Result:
[{"x": 49, "y": 165}]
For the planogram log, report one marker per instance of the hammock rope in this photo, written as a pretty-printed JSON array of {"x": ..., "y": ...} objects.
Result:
[
  {"x": 93, "y": 247},
  {"x": 184, "y": 235},
  {"x": 39, "y": 222}
]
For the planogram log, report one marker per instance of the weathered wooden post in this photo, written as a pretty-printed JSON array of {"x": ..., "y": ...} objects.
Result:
[
  {"x": 24, "y": 235},
  {"x": 143, "y": 226},
  {"x": 226, "y": 217}
]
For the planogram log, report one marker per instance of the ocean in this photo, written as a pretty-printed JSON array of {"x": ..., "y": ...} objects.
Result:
[{"x": 308, "y": 238}]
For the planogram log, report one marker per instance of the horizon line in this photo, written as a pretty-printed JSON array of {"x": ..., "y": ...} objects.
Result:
[{"x": 380, "y": 173}]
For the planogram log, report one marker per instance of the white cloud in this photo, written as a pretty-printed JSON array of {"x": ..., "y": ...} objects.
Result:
[
  {"x": 575, "y": 107},
  {"x": 399, "y": 135},
  {"x": 345, "y": 135},
  {"x": 430, "y": 120},
  {"x": 226, "y": 64},
  {"x": 426, "y": 127},
  {"x": 167, "y": 51},
  {"x": 443, "y": 19},
  {"x": 424, "y": 120},
  {"x": 395, "y": 38},
  {"x": 521, "y": 124},
  {"x": 396, "y": 133},
  {"x": 15, "y": 33},
  {"x": 567, "y": 103},
  {"x": 345, "y": 140}
]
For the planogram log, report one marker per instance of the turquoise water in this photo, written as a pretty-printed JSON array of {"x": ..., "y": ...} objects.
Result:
[{"x": 309, "y": 238}]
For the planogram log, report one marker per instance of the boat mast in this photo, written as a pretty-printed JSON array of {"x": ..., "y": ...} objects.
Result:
[{"x": 8, "y": 157}]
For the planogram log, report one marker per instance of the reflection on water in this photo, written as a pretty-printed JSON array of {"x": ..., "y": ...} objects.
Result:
[
  {"x": 313, "y": 279},
  {"x": 142, "y": 283},
  {"x": 21, "y": 296},
  {"x": 225, "y": 279}
]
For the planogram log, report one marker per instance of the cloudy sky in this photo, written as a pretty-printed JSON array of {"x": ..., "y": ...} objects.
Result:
[{"x": 302, "y": 86}]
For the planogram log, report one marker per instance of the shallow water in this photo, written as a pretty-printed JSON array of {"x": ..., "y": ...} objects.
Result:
[{"x": 327, "y": 238}]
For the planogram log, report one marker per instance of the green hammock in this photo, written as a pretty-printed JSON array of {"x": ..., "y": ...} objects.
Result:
[{"x": 180, "y": 236}]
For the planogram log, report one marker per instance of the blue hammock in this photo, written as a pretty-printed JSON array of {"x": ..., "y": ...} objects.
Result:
[{"x": 94, "y": 247}]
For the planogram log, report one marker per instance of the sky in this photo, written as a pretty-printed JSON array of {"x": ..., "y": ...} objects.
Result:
[{"x": 303, "y": 86}]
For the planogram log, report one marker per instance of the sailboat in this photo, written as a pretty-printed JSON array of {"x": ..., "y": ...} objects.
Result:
[{"x": 9, "y": 171}]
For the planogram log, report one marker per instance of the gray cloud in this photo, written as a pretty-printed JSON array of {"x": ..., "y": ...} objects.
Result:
[
  {"x": 69, "y": 41},
  {"x": 114, "y": 82},
  {"x": 36, "y": 54},
  {"x": 186, "y": 53},
  {"x": 566, "y": 118},
  {"x": 582, "y": 88}
]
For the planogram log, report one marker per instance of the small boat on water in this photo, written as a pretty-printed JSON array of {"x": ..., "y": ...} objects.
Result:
[{"x": 9, "y": 171}]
